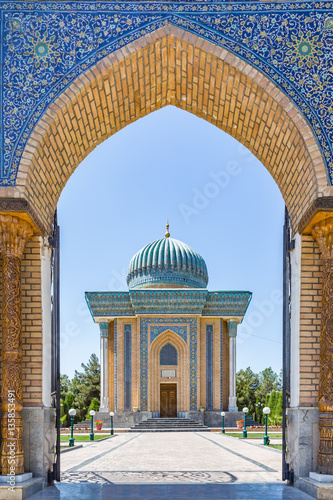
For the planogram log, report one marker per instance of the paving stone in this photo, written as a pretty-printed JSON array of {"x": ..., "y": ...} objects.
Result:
[{"x": 182, "y": 465}]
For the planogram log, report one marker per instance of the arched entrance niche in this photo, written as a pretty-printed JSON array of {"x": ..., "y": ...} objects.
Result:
[
  {"x": 172, "y": 66},
  {"x": 182, "y": 371}
]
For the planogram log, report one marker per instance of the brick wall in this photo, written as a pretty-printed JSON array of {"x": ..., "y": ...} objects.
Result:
[
  {"x": 310, "y": 321},
  {"x": 31, "y": 323}
]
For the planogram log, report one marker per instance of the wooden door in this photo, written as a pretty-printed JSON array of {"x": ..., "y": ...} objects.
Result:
[{"x": 168, "y": 400}]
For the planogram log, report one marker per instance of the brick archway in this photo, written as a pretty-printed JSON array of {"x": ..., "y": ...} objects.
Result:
[
  {"x": 183, "y": 368},
  {"x": 171, "y": 66}
]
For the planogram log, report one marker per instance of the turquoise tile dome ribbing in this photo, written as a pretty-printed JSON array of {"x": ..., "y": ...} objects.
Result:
[{"x": 167, "y": 263}]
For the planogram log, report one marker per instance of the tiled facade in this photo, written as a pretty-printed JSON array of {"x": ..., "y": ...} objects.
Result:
[
  {"x": 189, "y": 319},
  {"x": 191, "y": 370}
]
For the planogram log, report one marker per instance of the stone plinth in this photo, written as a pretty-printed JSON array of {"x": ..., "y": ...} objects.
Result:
[
  {"x": 316, "y": 489},
  {"x": 38, "y": 441},
  {"x": 302, "y": 439},
  {"x": 22, "y": 490}
]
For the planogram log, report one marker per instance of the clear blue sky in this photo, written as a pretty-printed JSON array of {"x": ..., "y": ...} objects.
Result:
[{"x": 218, "y": 198}]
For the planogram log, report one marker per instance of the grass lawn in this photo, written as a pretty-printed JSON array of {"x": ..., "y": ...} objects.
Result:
[
  {"x": 82, "y": 437},
  {"x": 251, "y": 435},
  {"x": 277, "y": 446}
]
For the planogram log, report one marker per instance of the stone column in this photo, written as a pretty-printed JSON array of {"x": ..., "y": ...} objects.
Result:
[
  {"x": 14, "y": 233},
  {"x": 323, "y": 233},
  {"x": 104, "y": 331},
  {"x": 232, "y": 329}
]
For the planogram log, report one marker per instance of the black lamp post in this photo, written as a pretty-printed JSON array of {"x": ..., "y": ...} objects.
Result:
[
  {"x": 111, "y": 415},
  {"x": 245, "y": 411},
  {"x": 72, "y": 414},
  {"x": 223, "y": 415},
  {"x": 92, "y": 436}
]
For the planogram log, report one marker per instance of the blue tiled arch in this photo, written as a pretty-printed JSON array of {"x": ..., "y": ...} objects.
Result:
[{"x": 46, "y": 45}]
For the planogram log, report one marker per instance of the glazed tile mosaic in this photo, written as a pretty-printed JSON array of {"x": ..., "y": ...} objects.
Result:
[
  {"x": 144, "y": 339},
  {"x": 46, "y": 45},
  {"x": 168, "y": 302}
]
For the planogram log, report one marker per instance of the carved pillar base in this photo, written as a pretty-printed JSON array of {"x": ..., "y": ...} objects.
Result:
[
  {"x": 11, "y": 446},
  {"x": 325, "y": 454}
]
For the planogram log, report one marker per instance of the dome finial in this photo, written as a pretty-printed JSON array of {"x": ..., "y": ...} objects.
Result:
[{"x": 167, "y": 234}]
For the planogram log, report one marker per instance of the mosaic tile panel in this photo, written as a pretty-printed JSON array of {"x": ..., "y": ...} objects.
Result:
[
  {"x": 227, "y": 303},
  {"x": 167, "y": 302},
  {"x": 46, "y": 45},
  {"x": 221, "y": 364},
  {"x": 144, "y": 326},
  {"x": 232, "y": 329},
  {"x": 104, "y": 329},
  {"x": 127, "y": 355},
  {"x": 109, "y": 304},
  {"x": 115, "y": 367},
  {"x": 155, "y": 331},
  {"x": 209, "y": 367}
]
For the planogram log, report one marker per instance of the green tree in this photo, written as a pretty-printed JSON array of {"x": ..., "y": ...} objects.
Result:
[
  {"x": 86, "y": 386},
  {"x": 94, "y": 405},
  {"x": 64, "y": 385},
  {"x": 275, "y": 404},
  {"x": 256, "y": 390},
  {"x": 63, "y": 413},
  {"x": 269, "y": 381},
  {"x": 246, "y": 386},
  {"x": 69, "y": 403}
]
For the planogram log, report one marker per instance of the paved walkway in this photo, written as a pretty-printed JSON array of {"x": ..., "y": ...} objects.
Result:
[{"x": 178, "y": 465}]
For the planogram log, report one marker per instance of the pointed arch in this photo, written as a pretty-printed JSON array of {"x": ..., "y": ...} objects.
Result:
[
  {"x": 192, "y": 74},
  {"x": 168, "y": 355},
  {"x": 182, "y": 373}
]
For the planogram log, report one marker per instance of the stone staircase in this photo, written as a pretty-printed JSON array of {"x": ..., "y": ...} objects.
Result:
[
  {"x": 169, "y": 425},
  {"x": 250, "y": 422},
  {"x": 83, "y": 424}
]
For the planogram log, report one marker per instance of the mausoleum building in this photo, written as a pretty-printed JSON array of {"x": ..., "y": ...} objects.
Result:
[{"x": 168, "y": 344}]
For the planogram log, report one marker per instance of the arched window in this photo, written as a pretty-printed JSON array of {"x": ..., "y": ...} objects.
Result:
[{"x": 168, "y": 355}]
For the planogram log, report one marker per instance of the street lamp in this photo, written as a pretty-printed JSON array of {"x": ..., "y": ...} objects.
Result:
[
  {"x": 61, "y": 405},
  {"x": 92, "y": 413},
  {"x": 266, "y": 412},
  {"x": 245, "y": 411},
  {"x": 223, "y": 415},
  {"x": 72, "y": 414},
  {"x": 259, "y": 410},
  {"x": 111, "y": 415}
]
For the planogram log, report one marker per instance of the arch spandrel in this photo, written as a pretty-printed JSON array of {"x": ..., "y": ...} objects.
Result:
[{"x": 198, "y": 77}]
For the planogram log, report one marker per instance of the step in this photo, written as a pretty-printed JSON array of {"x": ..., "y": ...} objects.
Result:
[
  {"x": 170, "y": 430},
  {"x": 169, "y": 425}
]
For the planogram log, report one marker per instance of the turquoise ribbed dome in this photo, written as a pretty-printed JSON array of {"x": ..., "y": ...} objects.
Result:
[{"x": 167, "y": 263}]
